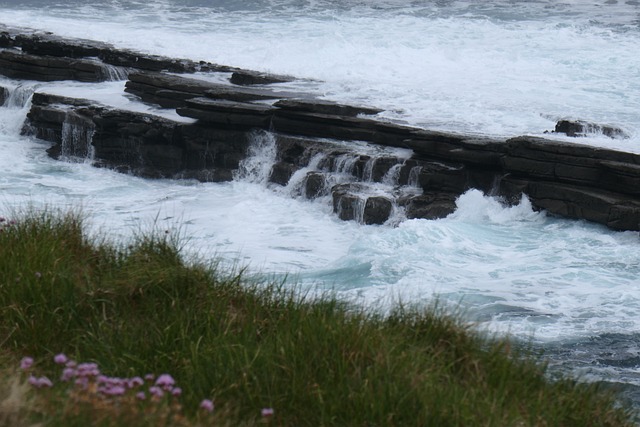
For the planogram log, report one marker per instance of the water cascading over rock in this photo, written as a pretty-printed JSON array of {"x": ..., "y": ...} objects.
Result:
[
  {"x": 336, "y": 154},
  {"x": 76, "y": 138}
]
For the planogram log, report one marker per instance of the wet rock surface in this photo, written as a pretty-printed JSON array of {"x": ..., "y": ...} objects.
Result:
[
  {"x": 137, "y": 143},
  {"x": 4, "y": 95},
  {"x": 19, "y": 65},
  {"x": 248, "y": 78},
  {"x": 314, "y": 140},
  {"x": 579, "y": 128}
]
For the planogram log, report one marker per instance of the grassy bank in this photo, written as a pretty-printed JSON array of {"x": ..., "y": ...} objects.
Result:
[{"x": 260, "y": 354}]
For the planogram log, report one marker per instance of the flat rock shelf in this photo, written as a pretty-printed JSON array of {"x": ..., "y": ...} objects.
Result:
[{"x": 314, "y": 138}]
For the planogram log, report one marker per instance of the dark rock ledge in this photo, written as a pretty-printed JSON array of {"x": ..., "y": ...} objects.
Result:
[{"x": 312, "y": 139}]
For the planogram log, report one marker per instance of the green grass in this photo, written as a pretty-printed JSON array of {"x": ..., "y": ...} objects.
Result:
[{"x": 142, "y": 308}]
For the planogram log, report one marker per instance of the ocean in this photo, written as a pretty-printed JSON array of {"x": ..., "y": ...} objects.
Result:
[{"x": 570, "y": 289}]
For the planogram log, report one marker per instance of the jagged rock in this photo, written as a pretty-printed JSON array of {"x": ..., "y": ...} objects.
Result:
[
  {"x": 247, "y": 77},
  {"x": 314, "y": 185},
  {"x": 346, "y": 203},
  {"x": 164, "y": 89},
  {"x": 299, "y": 151},
  {"x": 572, "y": 180},
  {"x": 444, "y": 177},
  {"x": 380, "y": 166},
  {"x": 292, "y": 150},
  {"x": 431, "y": 205},
  {"x": 227, "y": 113},
  {"x": 429, "y": 145},
  {"x": 5, "y": 39},
  {"x": 243, "y": 94},
  {"x": 148, "y": 144},
  {"x": 578, "y": 184},
  {"x": 572, "y": 163},
  {"x": 4, "y": 94},
  {"x": 17, "y": 65},
  {"x": 377, "y": 210},
  {"x": 51, "y": 45},
  {"x": 207, "y": 148},
  {"x": 582, "y": 128},
  {"x": 142, "y": 144},
  {"x": 349, "y": 204},
  {"x": 340, "y": 127},
  {"x": 360, "y": 165},
  {"x": 8, "y": 35},
  {"x": 325, "y": 107},
  {"x": 131, "y": 59},
  {"x": 330, "y": 162},
  {"x": 47, "y": 44},
  {"x": 40, "y": 98},
  {"x": 281, "y": 173},
  {"x": 409, "y": 172},
  {"x": 47, "y": 115},
  {"x": 614, "y": 210},
  {"x": 171, "y": 91}
]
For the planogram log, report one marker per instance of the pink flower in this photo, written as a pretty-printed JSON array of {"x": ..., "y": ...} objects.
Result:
[
  {"x": 149, "y": 377},
  {"x": 207, "y": 405},
  {"x": 267, "y": 412},
  {"x": 115, "y": 390},
  {"x": 60, "y": 359},
  {"x": 176, "y": 391},
  {"x": 45, "y": 382},
  {"x": 156, "y": 391},
  {"x": 165, "y": 381},
  {"x": 88, "y": 370},
  {"x": 140, "y": 395},
  {"x": 113, "y": 381},
  {"x": 67, "y": 374},
  {"x": 40, "y": 382},
  {"x": 26, "y": 363},
  {"x": 135, "y": 382}
]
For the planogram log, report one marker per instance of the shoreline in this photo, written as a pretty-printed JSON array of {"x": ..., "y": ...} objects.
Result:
[{"x": 566, "y": 179}]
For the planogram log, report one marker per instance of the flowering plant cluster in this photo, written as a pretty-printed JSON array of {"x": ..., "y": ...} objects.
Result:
[
  {"x": 5, "y": 223},
  {"x": 122, "y": 399},
  {"x": 127, "y": 398}
]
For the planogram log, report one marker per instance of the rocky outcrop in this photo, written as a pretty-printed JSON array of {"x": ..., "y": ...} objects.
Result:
[
  {"x": 248, "y": 78},
  {"x": 575, "y": 181},
  {"x": 324, "y": 107},
  {"x": 20, "y": 65},
  {"x": 4, "y": 94},
  {"x": 582, "y": 128},
  {"x": 142, "y": 144},
  {"x": 430, "y": 205},
  {"x": 228, "y": 114},
  {"x": 172, "y": 91},
  {"x": 349, "y": 204},
  {"x": 42, "y": 44},
  {"x": 322, "y": 149}
]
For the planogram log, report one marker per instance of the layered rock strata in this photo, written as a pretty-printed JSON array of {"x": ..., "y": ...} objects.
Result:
[{"x": 316, "y": 152}]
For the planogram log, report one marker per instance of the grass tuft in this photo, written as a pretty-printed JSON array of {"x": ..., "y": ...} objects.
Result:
[{"x": 243, "y": 353}]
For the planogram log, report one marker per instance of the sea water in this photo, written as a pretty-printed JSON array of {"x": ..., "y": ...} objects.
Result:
[{"x": 497, "y": 68}]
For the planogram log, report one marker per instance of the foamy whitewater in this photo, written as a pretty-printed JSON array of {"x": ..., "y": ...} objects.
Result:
[{"x": 500, "y": 68}]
